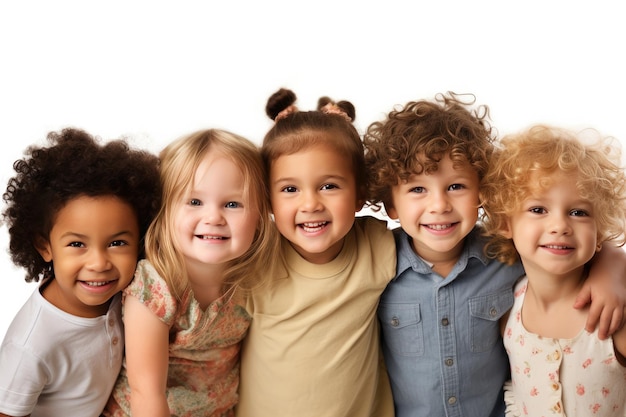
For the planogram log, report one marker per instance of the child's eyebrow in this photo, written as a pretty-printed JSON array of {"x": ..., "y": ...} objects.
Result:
[
  {"x": 285, "y": 179},
  {"x": 82, "y": 236},
  {"x": 329, "y": 177}
]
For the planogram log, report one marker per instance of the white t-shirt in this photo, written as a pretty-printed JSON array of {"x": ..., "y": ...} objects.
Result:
[{"x": 55, "y": 364}]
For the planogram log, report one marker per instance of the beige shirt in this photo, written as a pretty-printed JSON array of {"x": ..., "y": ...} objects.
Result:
[{"x": 313, "y": 346}]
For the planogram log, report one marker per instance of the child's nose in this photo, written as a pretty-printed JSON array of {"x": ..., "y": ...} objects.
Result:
[
  {"x": 98, "y": 260},
  {"x": 559, "y": 224},
  {"x": 310, "y": 201},
  {"x": 439, "y": 202},
  {"x": 213, "y": 215}
]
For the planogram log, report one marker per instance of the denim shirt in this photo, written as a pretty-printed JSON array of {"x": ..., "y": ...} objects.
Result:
[{"x": 441, "y": 336}]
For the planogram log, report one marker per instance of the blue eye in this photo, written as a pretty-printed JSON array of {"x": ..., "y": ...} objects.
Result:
[
  {"x": 418, "y": 190},
  {"x": 233, "y": 204}
]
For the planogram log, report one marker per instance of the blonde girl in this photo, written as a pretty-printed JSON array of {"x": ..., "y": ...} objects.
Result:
[
  {"x": 552, "y": 201},
  {"x": 182, "y": 314}
]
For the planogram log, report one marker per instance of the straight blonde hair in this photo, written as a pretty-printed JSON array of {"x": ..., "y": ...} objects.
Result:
[{"x": 178, "y": 164}]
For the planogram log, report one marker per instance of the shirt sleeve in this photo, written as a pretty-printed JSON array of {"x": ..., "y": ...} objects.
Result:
[
  {"x": 23, "y": 377},
  {"x": 152, "y": 291},
  {"x": 383, "y": 246}
]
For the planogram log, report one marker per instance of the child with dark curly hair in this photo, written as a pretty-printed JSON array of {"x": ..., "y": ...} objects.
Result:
[
  {"x": 439, "y": 315},
  {"x": 77, "y": 212}
]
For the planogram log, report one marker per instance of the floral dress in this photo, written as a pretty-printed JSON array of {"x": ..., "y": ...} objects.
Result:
[
  {"x": 558, "y": 377},
  {"x": 203, "y": 374}
]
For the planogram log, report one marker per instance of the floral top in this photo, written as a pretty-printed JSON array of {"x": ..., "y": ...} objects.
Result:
[
  {"x": 203, "y": 374},
  {"x": 558, "y": 377}
]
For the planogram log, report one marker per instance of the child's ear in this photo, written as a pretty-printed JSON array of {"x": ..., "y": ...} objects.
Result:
[
  {"x": 43, "y": 247},
  {"x": 360, "y": 204},
  {"x": 506, "y": 230}
]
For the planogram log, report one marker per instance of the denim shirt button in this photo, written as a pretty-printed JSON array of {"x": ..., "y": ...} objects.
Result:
[
  {"x": 493, "y": 312},
  {"x": 449, "y": 362},
  {"x": 395, "y": 322},
  {"x": 452, "y": 400},
  {"x": 445, "y": 322}
]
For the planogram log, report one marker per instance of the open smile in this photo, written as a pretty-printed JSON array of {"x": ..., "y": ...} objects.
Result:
[
  {"x": 96, "y": 283},
  {"x": 211, "y": 237},
  {"x": 557, "y": 247},
  {"x": 313, "y": 227},
  {"x": 439, "y": 226}
]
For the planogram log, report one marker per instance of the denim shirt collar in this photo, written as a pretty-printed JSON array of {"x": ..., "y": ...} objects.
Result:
[{"x": 407, "y": 258}]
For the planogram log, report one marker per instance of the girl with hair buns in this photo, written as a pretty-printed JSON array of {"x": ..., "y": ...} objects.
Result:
[{"x": 313, "y": 347}]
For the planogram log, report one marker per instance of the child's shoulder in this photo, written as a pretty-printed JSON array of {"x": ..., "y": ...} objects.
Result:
[
  {"x": 372, "y": 225},
  {"x": 146, "y": 278},
  {"x": 152, "y": 290},
  {"x": 372, "y": 234}
]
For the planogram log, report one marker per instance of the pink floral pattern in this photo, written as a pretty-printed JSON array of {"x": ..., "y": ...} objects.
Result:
[
  {"x": 203, "y": 374},
  {"x": 558, "y": 377}
]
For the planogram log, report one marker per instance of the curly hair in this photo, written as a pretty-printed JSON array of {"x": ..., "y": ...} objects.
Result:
[
  {"x": 414, "y": 138},
  {"x": 528, "y": 161},
  {"x": 74, "y": 165},
  {"x": 179, "y": 162}
]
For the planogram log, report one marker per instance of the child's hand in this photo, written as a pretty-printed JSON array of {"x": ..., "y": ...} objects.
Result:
[{"x": 605, "y": 289}]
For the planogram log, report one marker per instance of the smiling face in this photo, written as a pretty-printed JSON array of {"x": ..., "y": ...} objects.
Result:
[
  {"x": 438, "y": 210},
  {"x": 314, "y": 200},
  {"x": 215, "y": 222},
  {"x": 555, "y": 231},
  {"x": 93, "y": 247}
]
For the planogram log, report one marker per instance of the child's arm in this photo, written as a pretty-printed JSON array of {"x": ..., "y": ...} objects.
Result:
[
  {"x": 605, "y": 289},
  {"x": 147, "y": 359}
]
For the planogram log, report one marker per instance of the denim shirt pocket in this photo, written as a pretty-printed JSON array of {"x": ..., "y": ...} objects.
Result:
[
  {"x": 402, "y": 328},
  {"x": 485, "y": 314}
]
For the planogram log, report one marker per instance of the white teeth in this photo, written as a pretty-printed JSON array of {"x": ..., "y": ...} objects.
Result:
[
  {"x": 205, "y": 237},
  {"x": 439, "y": 226},
  {"x": 97, "y": 284},
  {"x": 556, "y": 247},
  {"x": 316, "y": 224},
  {"x": 313, "y": 227}
]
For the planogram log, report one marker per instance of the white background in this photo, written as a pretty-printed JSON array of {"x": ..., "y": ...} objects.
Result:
[{"x": 155, "y": 70}]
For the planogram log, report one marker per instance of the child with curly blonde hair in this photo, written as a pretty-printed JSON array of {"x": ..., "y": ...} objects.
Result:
[{"x": 552, "y": 200}]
